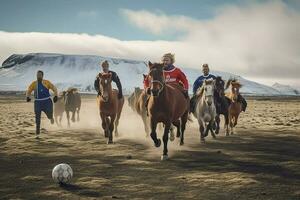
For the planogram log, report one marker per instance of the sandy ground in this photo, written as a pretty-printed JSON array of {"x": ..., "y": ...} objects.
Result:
[{"x": 261, "y": 161}]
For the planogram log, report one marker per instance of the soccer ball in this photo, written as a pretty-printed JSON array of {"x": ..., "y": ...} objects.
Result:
[{"x": 62, "y": 173}]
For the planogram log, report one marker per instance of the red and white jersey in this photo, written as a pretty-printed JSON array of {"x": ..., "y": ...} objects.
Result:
[{"x": 174, "y": 75}]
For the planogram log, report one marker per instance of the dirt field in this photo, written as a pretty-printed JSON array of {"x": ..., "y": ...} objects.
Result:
[{"x": 261, "y": 161}]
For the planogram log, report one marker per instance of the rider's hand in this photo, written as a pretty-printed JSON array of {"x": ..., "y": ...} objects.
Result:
[
  {"x": 55, "y": 99},
  {"x": 28, "y": 99},
  {"x": 120, "y": 96}
]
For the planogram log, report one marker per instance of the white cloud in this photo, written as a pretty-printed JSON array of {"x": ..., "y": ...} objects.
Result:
[{"x": 257, "y": 40}]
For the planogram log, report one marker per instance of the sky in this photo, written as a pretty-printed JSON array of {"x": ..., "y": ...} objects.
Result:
[{"x": 257, "y": 39}]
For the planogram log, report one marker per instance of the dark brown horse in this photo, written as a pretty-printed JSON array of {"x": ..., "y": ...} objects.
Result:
[
  {"x": 110, "y": 107},
  {"x": 222, "y": 104},
  {"x": 235, "y": 107},
  {"x": 167, "y": 104},
  {"x": 72, "y": 101}
]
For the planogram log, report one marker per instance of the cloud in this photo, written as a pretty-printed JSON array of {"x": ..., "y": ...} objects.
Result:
[{"x": 253, "y": 40}]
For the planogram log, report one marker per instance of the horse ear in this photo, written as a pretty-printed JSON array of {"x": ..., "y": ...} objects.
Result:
[
  {"x": 150, "y": 64},
  {"x": 145, "y": 76}
]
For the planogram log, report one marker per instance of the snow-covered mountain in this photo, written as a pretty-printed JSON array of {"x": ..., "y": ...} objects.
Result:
[
  {"x": 286, "y": 89},
  {"x": 80, "y": 71}
]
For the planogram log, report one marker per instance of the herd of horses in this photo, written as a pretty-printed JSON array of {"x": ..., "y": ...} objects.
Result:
[{"x": 166, "y": 104}]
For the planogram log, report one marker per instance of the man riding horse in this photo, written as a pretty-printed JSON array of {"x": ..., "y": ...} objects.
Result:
[
  {"x": 172, "y": 74},
  {"x": 198, "y": 83},
  {"x": 114, "y": 77}
]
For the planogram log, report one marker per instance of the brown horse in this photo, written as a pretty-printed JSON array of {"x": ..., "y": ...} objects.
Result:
[
  {"x": 137, "y": 101},
  {"x": 110, "y": 107},
  {"x": 167, "y": 104},
  {"x": 235, "y": 107},
  {"x": 72, "y": 101}
]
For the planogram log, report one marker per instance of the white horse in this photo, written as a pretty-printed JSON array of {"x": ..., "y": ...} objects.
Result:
[{"x": 205, "y": 110}]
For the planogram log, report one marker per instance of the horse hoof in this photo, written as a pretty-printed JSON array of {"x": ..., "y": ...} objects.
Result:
[
  {"x": 158, "y": 143},
  {"x": 181, "y": 143},
  {"x": 164, "y": 157},
  {"x": 172, "y": 138},
  {"x": 202, "y": 140},
  {"x": 110, "y": 142}
]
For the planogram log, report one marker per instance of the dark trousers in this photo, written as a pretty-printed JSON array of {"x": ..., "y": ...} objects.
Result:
[{"x": 40, "y": 106}]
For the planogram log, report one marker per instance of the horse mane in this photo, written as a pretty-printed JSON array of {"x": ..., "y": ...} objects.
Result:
[
  {"x": 232, "y": 81},
  {"x": 72, "y": 90}
]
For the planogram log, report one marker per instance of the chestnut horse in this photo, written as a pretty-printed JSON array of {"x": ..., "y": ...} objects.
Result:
[
  {"x": 110, "y": 107},
  {"x": 167, "y": 104},
  {"x": 235, "y": 107}
]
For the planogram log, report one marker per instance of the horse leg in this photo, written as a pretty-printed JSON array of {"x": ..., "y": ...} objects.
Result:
[
  {"x": 153, "y": 134},
  {"x": 116, "y": 127},
  {"x": 146, "y": 124},
  {"x": 184, "y": 119},
  {"x": 172, "y": 135},
  {"x": 165, "y": 140},
  {"x": 56, "y": 121},
  {"x": 201, "y": 130},
  {"x": 231, "y": 120},
  {"x": 68, "y": 118},
  {"x": 217, "y": 121},
  {"x": 111, "y": 129},
  {"x": 211, "y": 129},
  {"x": 78, "y": 110},
  {"x": 207, "y": 128},
  {"x": 226, "y": 124},
  {"x": 177, "y": 125},
  {"x": 73, "y": 116}
]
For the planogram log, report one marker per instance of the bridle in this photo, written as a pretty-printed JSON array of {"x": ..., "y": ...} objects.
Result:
[{"x": 161, "y": 84}]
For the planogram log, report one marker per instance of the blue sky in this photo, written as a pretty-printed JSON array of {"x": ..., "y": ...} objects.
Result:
[{"x": 101, "y": 17}]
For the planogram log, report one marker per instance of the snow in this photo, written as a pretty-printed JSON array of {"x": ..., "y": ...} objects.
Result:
[{"x": 80, "y": 71}]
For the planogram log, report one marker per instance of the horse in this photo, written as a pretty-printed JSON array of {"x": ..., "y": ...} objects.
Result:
[
  {"x": 110, "y": 107},
  {"x": 72, "y": 101},
  {"x": 167, "y": 104},
  {"x": 222, "y": 104},
  {"x": 59, "y": 108},
  {"x": 235, "y": 107},
  {"x": 205, "y": 110},
  {"x": 137, "y": 101}
]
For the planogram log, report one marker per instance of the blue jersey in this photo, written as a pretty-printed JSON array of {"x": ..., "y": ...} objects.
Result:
[{"x": 199, "y": 81}]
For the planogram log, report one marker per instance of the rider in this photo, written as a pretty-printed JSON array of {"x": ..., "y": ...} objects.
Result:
[
  {"x": 198, "y": 83},
  {"x": 172, "y": 74},
  {"x": 42, "y": 100},
  {"x": 115, "y": 78}
]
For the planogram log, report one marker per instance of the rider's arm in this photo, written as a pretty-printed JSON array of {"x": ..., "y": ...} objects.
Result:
[
  {"x": 96, "y": 84},
  {"x": 146, "y": 83},
  {"x": 30, "y": 88},
  {"x": 196, "y": 84},
  {"x": 115, "y": 78},
  {"x": 183, "y": 79}
]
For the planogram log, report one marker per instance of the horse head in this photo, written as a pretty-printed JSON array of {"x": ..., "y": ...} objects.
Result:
[
  {"x": 219, "y": 86},
  {"x": 105, "y": 85},
  {"x": 235, "y": 89},
  {"x": 156, "y": 78},
  {"x": 206, "y": 92}
]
